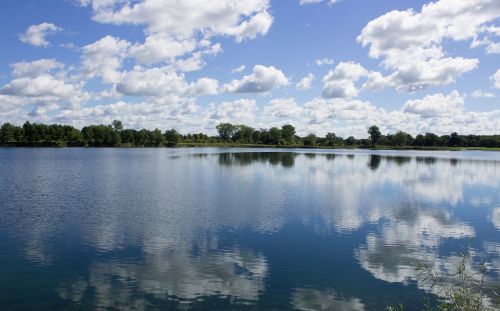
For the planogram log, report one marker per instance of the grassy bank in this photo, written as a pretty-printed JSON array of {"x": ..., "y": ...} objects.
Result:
[{"x": 59, "y": 144}]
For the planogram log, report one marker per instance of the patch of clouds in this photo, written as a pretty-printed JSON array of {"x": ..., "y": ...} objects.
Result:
[
  {"x": 340, "y": 82},
  {"x": 306, "y": 82},
  {"x": 238, "y": 69},
  {"x": 410, "y": 43},
  {"x": 482, "y": 94},
  {"x": 324, "y": 61},
  {"x": 241, "y": 111},
  {"x": 36, "y": 34},
  {"x": 262, "y": 80},
  {"x": 496, "y": 79},
  {"x": 331, "y": 2},
  {"x": 436, "y": 105},
  {"x": 156, "y": 82},
  {"x": 104, "y": 58},
  {"x": 35, "y": 68},
  {"x": 170, "y": 34}
]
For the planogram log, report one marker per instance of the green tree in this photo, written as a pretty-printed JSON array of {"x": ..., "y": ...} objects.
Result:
[
  {"x": 7, "y": 133},
  {"x": 288, "y": 133},
  {"x": 375, "y": 134},
  {"x": 117, "y": 125},
  {"x": 172, "y": 137},
  {"x": 330, "y": 139},
  {"x": 226, "y": 131},
  {"x": 243, "y": 134},
  {"x": 310, "y": 140},
  {"x": 275, "y": 135},
  {"x": 401, "y": 139}
]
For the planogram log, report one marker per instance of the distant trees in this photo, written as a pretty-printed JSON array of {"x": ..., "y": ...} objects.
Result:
[
  {"x": 172, "y": 137},
  {"x": 288, "y": 134},
  {"x": 375, "y": 134},
  {"x": 115, "y": 135},
  {"x": 310, "y": 140},
  {"x": 226, "y": 131}
]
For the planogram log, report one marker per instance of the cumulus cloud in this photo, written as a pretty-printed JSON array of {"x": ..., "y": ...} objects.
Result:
[
  {"x": 156, "y": 82},
  {"x": 263, "y": 79},
  {"x": 304, "y": 2},
  {"x": 496, "y": 79},
  {"x": 243, "y": 19},
  {"x": 435, "y": 105},
  {"x": 104, "y": 57},
  {"x": 238, "y": 69},
  {"x": 36, "y": 34},
  {"x": 305, "y": 83},
  {"x": 170, "y": 34},
  {"x": 324, "y": 61},
  {"x": 44, "y": 85},
  {"x": 35, "y": 68},
  {"x": 241, "y": 111},
  {"x": 339, "y": 82},
  {"x": 283, "y": 108},
  {"x": 161, "y": 47},
  {"x": 410, "y": 43},
  {"x": 482, "y": 94}
]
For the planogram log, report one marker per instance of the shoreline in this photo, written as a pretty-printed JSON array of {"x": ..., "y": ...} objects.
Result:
[{"x": 254, "y": 146}]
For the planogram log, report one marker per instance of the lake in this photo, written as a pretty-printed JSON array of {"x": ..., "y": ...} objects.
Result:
[{"x": 217, "y": 229}]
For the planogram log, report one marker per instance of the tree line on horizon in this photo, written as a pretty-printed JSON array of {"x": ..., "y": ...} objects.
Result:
[{"x": 115, "y": 135}]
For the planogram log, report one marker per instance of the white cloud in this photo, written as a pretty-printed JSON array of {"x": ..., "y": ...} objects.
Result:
[
  {"x": 339, "y": 82},
  {"x": 161, "y": 47},
  {"x": 241, "y": 19},
  {"x": 436, "y": 105},
  {"x": 104, "y": 57},
  {"x": 263, "y": 79},
  {"x": 238, "y": 69},
  {"x": 171, "y": 35},
  {"x": 156, "y": 82},
  {"x": 283, "y": 108},
  {"x": 410, "y": 43},
  {"x": 324, "y": 61},
  {"x": 241, "y": 111},
  {"x": 331, "y": 2},
  {"x": 496, "y": 79},
  {"x": 40, "y": 86},
  {"x": 36, "y": 34},
  {"x": 482, "y": 94},
  {"x": 35, "y": 68},
  {"x": 306, "y": 82}
]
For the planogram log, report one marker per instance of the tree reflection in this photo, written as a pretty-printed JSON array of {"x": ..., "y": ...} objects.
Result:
[{"x": 284, "y": 159}]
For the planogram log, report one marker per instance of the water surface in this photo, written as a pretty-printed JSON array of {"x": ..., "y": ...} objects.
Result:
[{"x": 146, "y": 229}]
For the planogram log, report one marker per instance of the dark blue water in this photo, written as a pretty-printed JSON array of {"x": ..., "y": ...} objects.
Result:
[{"x": 215, "y": 229}]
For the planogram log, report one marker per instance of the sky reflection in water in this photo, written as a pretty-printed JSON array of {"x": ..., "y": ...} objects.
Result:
[{"x": 234, "y": 228}]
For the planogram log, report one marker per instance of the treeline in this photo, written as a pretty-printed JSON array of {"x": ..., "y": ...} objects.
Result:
[{"x": 115, "y": 135}]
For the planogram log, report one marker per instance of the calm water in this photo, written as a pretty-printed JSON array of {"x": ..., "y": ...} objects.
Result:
[{"x": 135, "y": 229}]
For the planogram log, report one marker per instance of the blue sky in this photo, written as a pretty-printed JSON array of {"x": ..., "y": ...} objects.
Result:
[{"x": 324, "y": 66}]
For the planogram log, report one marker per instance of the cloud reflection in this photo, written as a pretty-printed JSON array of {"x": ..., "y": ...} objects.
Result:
[{"x": 313, "y": 299}]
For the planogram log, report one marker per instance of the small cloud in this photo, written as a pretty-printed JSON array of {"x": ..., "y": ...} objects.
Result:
[
  {"x": 325, "y": 61},
  {"x": 330, "y": 2},
  {"x": 36, "y": 34},
  {"x": 238, "y": 69},
  {"x": 482, "y": 94},
  {"x": 306, "y": 82},
  {"x": 262, "y": 80}
]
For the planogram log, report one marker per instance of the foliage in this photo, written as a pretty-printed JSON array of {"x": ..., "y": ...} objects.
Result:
[
  {"x": 115, "y": 135},
  {"x": 464, "y": 291},
  {"x": 375, "y": 134}
]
